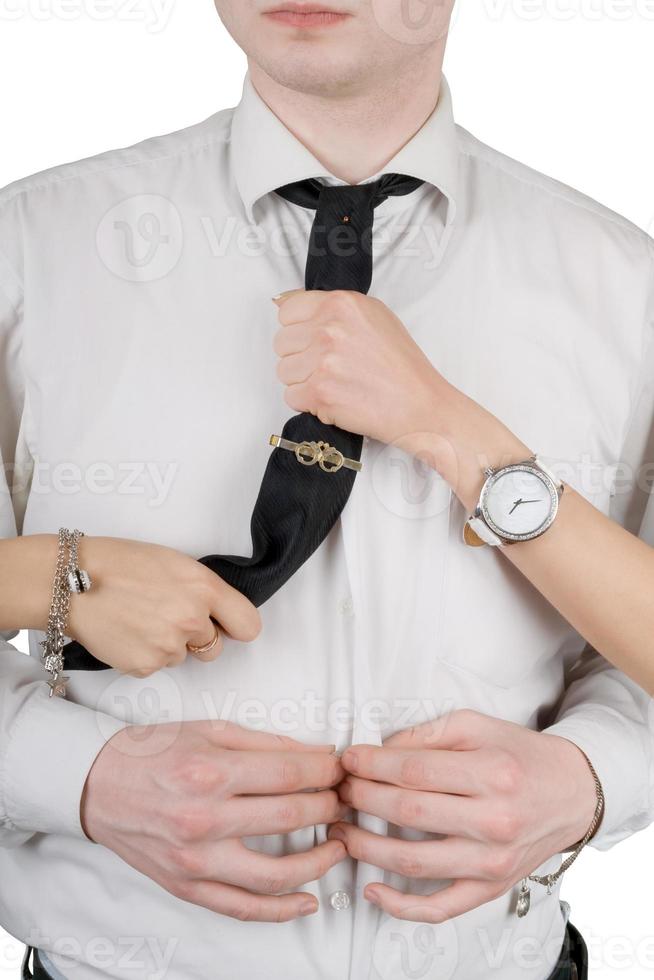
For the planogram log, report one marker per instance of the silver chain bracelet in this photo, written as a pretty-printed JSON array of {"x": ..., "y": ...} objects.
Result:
[
  {"x": 548, "y": 881},
  {"x": 68, "y": 578}
]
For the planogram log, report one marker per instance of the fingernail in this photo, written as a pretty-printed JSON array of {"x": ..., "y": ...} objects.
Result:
[
  {"x": 345, "y": 792},
  {"x": 351, "y": 760},
  {"x": 309, "y": 907},
  {"x": 336, "y": 833},
  {"x": 373, "y": 896}
]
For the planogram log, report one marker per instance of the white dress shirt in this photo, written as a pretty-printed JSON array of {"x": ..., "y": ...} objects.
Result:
[{"x": 138, "y": 394}]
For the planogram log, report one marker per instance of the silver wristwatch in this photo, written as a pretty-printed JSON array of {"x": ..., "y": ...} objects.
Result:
[{"x": 517, "y": 503}]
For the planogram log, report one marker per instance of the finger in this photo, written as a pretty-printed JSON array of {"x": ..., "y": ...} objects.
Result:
[
  {"x": 270, "y": 875},
  {"x": 297, "y": 368},
  {"x": 293, "y": 339},
  {"x": 282, "y": 772},
  {"x": 256, "y": 816},
  {"x": 457, "y": 730},
  {"x": 454, "y": 857},
  {"x": 237, "y": 903},
  {"x": 433, "y": 770},
  {"x": 302, "y": 398},
  {"x": 227, "y": 735},
  {"x": 299, "y": 305},
  {"x": 462, "y": 896},
  {"x": 206, "y": 640},
  {"x": 232, "y": 610},
  {"x": 433, "y": 813}
]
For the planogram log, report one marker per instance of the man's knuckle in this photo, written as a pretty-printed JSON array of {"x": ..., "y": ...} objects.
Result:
[
  {"x": 188, "y": 862},
  {"x": 199, "y": 774},
  {"x": 409, "y": 865},
  {"x": 190, "y": 823},
  {"x": 413, "y": 770},
  {"x": 289, "y": 815},
  {"x": 410, "y": 811},
  {"x": 502, "y": 826},
  {"x": 507, "y": 774}
]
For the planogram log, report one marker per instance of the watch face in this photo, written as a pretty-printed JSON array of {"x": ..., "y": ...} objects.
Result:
[{"x": 519, "y": 502}]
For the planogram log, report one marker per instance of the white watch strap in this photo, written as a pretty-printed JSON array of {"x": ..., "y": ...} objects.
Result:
[
  {"x": 483, "y": 531},
  {"x": 548, "y": 472}
]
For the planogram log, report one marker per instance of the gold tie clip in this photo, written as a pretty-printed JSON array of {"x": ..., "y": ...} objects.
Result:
[{"x": 329, "y": 459}]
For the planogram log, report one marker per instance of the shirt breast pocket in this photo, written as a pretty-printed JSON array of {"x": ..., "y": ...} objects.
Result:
[{"x": 496, "y": 626}]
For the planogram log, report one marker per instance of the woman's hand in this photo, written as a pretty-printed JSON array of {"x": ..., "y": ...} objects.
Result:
[
  {"x": 349, "y": 360},
  {"x": 148, "y": 602}
]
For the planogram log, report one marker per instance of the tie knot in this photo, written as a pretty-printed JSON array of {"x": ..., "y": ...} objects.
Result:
[
  {"x": 341, "y": 242},
  {"x": 312, "y": 193}
]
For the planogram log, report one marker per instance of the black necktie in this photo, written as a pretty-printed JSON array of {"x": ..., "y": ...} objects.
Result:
[{"x": 298, "y": 504}]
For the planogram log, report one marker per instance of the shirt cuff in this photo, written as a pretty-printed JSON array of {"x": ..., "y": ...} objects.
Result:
[
  {"x": 52, "y": 747},
  {"x": 622, "y": 765}
]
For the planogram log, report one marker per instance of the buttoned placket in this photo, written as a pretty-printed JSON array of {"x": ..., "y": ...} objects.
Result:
[{"x": 365, "y": 915}]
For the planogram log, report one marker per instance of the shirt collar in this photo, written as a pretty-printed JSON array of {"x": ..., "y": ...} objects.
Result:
[{"x": 266, "y": 155}]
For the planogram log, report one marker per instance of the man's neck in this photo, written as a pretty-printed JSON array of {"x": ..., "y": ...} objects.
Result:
[{"x": 355, "y": 136}]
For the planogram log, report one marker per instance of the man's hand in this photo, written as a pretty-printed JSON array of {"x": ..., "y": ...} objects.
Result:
[
  {"x": 349, "y": 360},
  {"x": 174, "y": 801},
  {"x": 507, "y": 799}
]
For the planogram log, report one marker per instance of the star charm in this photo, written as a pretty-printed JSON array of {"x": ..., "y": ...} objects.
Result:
[{"x": 58, "y": 687}]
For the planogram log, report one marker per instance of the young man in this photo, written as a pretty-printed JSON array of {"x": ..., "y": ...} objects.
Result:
[{"x": 140, "y": 347}]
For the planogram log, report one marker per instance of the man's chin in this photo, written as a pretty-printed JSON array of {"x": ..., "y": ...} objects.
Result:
[{"x": 324, "y": 74}]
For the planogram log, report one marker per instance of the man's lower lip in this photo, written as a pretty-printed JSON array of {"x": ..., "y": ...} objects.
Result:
[{"x": 293, "y": 18}]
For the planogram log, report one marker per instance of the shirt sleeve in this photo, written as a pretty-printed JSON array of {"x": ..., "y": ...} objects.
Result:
[
  {"x": 608, "y": 716},
  {"x": 47, "y": 745}
]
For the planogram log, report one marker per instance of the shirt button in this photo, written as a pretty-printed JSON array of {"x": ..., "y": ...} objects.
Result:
[
  {"x": 347, "y": 606},
  {"x": 340, "y": 901}
]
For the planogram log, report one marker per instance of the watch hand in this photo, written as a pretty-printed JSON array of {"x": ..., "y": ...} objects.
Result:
[{"x": 521, "y": 501}]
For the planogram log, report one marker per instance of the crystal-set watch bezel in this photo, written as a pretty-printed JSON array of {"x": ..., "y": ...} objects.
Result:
[{"x": 494, "y": 478}]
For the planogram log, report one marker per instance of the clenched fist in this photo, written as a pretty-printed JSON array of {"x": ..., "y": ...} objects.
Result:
[{"x": 347, "y": 359}]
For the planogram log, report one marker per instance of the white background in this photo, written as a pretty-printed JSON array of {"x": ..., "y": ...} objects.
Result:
[{"x": 564, "y": 85}]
